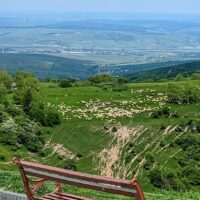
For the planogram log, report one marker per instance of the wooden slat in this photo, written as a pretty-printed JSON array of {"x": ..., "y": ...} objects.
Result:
[
  {"x": 83, "y": 183},
  {"x": 60, "y": 196},
  {"x": 69, "y": 173},
  {"x": 47, "y": 197},
  {"x": 73, "y": 196}
]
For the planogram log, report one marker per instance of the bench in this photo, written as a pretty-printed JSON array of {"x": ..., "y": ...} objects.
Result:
[{"x": 130, "y": 188}]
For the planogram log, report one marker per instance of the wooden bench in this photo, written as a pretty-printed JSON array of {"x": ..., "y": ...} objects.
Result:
[{"x": 129, "y": 188}]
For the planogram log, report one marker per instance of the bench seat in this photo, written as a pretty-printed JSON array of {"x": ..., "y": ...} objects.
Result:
[{"x": 61, "y": 196}]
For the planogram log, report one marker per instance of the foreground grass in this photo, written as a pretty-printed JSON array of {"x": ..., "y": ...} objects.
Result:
[{"x": 12, "y": 182}]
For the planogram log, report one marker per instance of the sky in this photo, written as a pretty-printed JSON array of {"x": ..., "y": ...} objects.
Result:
[{"x": 133, "y": 6}]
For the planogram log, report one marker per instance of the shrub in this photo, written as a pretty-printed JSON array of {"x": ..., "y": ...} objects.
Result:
[
  {"x": 65, "y": 83},
  {"x": 52, "y": 118},
  {"x": 8, "y": 132},
  {"x": 180, "y": 95},
  {"x": 28, "y": 125},
  {"x": 119, "y": 88},
  {"x": 43, "y": 116},
  {"x": 166, "y": 180},
  {"x": 5, "y": 80},
  {"x": 1, "y": 117},
  {"x": 3, "y": 97},
  {"x": 37, "y": 113},
  {"x": 21, "y": 131},
  {"x": 191, "y": 174},
  {"x": 114, "y": 129},
  {"x": 102, "y": 78},
  {"x": 149, "y": 160},
  {"x": 156, "y": 178},
  {"x": 13, "y": 110},
  {"x": 122, "y": 80},
  {"x": 2, "y": 157},
  {"x": 70, "y": 165},
  {"x": 164, "y": 113},
  {"x": 188, "y": 141}
]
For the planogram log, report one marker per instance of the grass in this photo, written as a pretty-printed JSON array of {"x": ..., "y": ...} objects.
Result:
[{"x": 87, "y": 138}]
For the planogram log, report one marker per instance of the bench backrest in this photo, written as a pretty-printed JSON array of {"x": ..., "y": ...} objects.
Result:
[{"x": 129, "y": 188}]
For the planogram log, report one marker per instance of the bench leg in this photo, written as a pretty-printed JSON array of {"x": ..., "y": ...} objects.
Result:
[{"x": 140, "y": 194}]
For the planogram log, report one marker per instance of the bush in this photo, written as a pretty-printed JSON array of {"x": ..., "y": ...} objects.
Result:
[
  {"x": 166, "y": 180},
  {"x": 52, "y": 118},
  {"x": 21, "y": 131},
  {"x": 156, "y": 178},
  {"x": 28, "y": 125},
  {"x": 191, "y": 174},
  {"x": 122, "y": 80},
  {"x": 119, "y": 88},
  {"x": 13, "y": 110},
  {"x": 44, "y": 116},
  {"x": 37, "y": 113},
  {"x": 70, "y": 165},
  {"x": 8, "y": 132},
  {"x": 3, "y": 97},
  {"x": 149, "y": 160},
  {"x": 1, "y": 117},
  {"x": 164, "y": 113},
  {"x": 102, "y": 78},
  {"x": 180, "y": 95},
  {"x": 5, "y": 80},
  {"x": 65, "y": 83},
  {"x": 188, "y": 141},
  {"x": 114, "y": 129},
  {"x": 2, "y": 157}
]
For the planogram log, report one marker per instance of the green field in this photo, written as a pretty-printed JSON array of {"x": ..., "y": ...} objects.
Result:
[{"x": 110, "y": 133}]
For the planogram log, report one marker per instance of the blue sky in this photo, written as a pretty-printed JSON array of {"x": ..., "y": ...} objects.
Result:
[{"x": 139, "y": 6}]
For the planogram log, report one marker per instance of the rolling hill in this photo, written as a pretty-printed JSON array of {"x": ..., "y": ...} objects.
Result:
[
  {"x": 168, "y": 73},
  {"x": 47, "y": 66},
  {"x": 61, "y": 67}
]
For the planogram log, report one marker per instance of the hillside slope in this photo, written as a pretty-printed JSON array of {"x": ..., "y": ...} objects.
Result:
[
  {"x": 47, "y": 66},
  {"x": 168, "y": 73},
  {"x": 61, "y": 67},
  {"x": 133, "y": 133}
]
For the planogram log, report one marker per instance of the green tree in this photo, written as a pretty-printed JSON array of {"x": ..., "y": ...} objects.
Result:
[
  {"x": 5, "y": 80},
  {"x": 102, "y": 78}
]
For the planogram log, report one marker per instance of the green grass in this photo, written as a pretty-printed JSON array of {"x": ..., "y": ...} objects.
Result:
[{"x": 87, "y": 138}]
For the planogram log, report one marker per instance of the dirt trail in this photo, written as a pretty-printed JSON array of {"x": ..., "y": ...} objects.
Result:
[{"x": 59, "y": 149}]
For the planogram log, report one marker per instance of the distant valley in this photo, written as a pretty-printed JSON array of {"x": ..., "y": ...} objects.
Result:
[{"x": 104, "y": 42}]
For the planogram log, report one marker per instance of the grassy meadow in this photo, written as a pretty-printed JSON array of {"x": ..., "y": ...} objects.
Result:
[{"x": 110, "y": 133}]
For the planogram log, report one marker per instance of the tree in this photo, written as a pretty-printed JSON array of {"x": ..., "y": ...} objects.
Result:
[
  {"x": 122, "y": 80},
  {"x": 179, "y": 77},
  {"x": 3, "y": 97},
  {"x": 27, "y": 100},
  {"x": 5, "y": 80},
  {"x": 195, "y": 76},
  {"x": 102, "y": 78}
]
